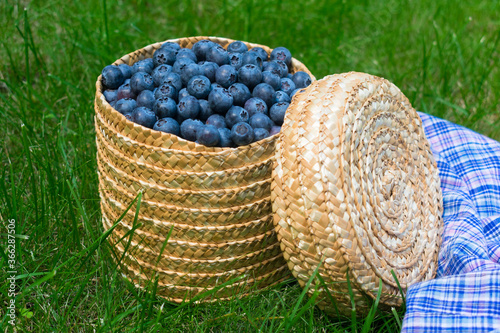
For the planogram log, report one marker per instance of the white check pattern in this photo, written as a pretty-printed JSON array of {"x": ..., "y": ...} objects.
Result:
[{"x": 465, "y": 296}]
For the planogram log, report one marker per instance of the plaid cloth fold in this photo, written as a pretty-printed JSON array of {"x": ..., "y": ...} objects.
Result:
[{"x": 465, "y": 296}]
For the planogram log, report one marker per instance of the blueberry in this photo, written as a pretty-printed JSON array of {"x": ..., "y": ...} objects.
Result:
[
  {"x": 172, "y": 45},
  {"x": 110, "y": 95},
  {"x": 141, "y": 81},
  {"x": 144, "y": 116},
  {"x": 261, "y": 52},
  {"x": 146, "y": 98},
  {"x": 242, "y": 134},
  {"x": 165, "y": 107},
  {"x": 272, "y": 66},
  {"x": 260, "y": 120},
  {"x": 208, "y": 135},
  {"x": 277, "y": 112},
  {"x": 290, "y": 76},
  {"x": 148, "y": 62},
  {"x": 160, "y": 73},
  {"x": 252, "y": 58},
  {"x": 256, "y": 105},
  {"x": 208, "y": 69},
  {"x": 283, "y": 68},
  {"x": 126, "y": 70},
  {"x": 166, "y": 90},
  {"x": 236, "y": 114},
  {"x": 125, "y": 105},
  {"x": 183, "y": 93},
  {"x": 301, "y": 79},
  {"x": 200, "y": 48},
  {"x": 205, "y": 110},
  {"x": 173, "y": 79},
  {"x": 187, "y": 53},
  {"x": 235, "y": 60},
  {"x": 240, "y": 93},
  {"x": 199, "y": 86},
  {"x": 180, "y": 64},
  {"x": 145, "y": 65},
  {"x": 179, "y": 118},
  {"x": 215, "y": 85},
  {"x": 188, "y": 107},
  {"x": 216, "y": 120},
  {"x": 282, "y": 96},
  {"x": 225, "y": 137},
  {"x": 168, "y": 125},
  {"x": 271, "y": 79},
  {"x": 112, "y": 77},
  {"x": 237, "y": 47},
  {"x": 189, "y": 128},
  {"x": 220, "y": 100},
  {"x": 226, "y": 75},
  {"x": 260, "y": 134},
  {"x": 218, "y": 55},
  {"x": 298, "y": 90},
  {"x": 250, "y": 75},
  {"x": 163, "y": 56},
  {"x": 266, "y": 93},
  {"x": 275, "y": 130},
  {"x": 282, "y": 53},
  {"x": 129, "y": 116},
  {"x": 189, "y": 71},
  {"x": 287, "y": 85}
]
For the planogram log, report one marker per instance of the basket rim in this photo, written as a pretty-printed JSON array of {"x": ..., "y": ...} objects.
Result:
[
  {"x": 220, "y": 152},
  {"x": 167, "y": 136},
  {"x": 236, "y": 170}
]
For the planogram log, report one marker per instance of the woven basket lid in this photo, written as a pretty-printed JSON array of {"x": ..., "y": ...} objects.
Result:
[{"x": 356, "y": 192}]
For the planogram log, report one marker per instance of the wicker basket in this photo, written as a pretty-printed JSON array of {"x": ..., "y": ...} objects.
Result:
[
  {"x": 356, "y": 189},
  {"x": 215, "y": 200}
]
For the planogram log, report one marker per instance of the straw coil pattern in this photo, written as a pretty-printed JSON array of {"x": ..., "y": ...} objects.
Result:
[
  {"x": 356, "y": 191},
  {"x": 212, "y": 203},
  {"x": 142, "y": 278}
]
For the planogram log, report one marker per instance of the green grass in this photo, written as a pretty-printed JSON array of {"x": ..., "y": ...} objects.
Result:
[{"x": 444, "y": 56}]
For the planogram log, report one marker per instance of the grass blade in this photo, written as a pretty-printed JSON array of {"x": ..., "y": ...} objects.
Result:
[
  {"x": 333, "y": 301},
  {"x": 371, "y": 315},
  {"x": 353, "y": 305},
  {"x": 401, "y": 291},
  {"x": 396, "y": 316},
  {"x": 35, "y": 284},
  {"x": 130, "y": 233},
  {"x": 295, "y": 310},
  {"x": 164, "y": 244}
]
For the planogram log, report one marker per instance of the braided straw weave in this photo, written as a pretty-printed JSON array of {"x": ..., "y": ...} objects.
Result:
[
  {"x": 214, "y": 201},
  {"x": 355, "y": 190}
]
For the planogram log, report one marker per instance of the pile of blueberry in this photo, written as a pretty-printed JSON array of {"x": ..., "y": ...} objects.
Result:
[{"x": 207, "y": 94}]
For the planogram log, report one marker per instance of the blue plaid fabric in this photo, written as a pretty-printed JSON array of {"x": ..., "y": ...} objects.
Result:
[{"x": 465, "y": 296}]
